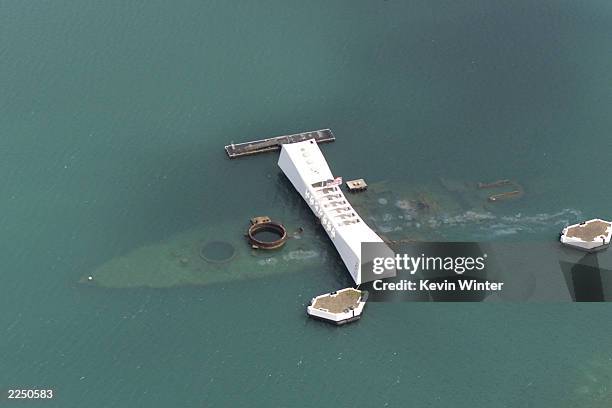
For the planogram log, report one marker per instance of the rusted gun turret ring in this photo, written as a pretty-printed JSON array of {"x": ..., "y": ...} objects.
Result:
[{"x": 266, "y": 226}]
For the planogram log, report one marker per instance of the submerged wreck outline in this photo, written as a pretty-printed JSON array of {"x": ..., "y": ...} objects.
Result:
[{"x": 438, "y": 211}]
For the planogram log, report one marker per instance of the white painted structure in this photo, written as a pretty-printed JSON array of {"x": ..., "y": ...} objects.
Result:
[
  {"x": 304, "y": 165},
  {"x": 591, "y": 235},
  {"x": 339, "y": 317}
]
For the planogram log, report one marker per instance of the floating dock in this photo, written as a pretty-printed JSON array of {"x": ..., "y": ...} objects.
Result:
[
  {"x": 592, "y": 235},
  {"x": 340, "y": 307},
  {"x": 274, "y": 143}
]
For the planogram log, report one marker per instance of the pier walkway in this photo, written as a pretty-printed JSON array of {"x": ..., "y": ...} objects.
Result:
[{"x": 274, "y": 143}]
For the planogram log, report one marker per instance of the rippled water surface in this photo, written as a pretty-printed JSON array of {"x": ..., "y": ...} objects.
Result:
[{"x": 114, "y": 116}]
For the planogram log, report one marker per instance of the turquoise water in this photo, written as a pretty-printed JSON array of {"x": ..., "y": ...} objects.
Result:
[{"x": 113, "y": 120}]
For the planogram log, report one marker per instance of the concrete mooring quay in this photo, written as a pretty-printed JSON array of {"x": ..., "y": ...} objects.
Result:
[{"x": 274, "y": 143}]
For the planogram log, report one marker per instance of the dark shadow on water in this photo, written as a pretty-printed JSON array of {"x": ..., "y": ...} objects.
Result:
[{"x": 584, "y": 279}]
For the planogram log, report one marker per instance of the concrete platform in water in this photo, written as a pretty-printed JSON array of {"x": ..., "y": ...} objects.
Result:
[
  {"x": 355, "y": 186},
  {"x": 340, "y": 307},
  {"x": 592, "y": 235}
]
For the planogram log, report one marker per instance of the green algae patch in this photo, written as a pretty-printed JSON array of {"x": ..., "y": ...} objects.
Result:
[
  {"x": 396, "y": 211},
  {"x": 204, "y": 256}
]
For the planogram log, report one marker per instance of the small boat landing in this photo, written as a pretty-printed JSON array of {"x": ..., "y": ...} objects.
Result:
[
  {"x": 274, "y": 143},
  {"x": 340, "y": 307}
]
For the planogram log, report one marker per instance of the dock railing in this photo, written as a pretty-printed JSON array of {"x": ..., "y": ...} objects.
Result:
[{"x": 274, "y": 143}]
